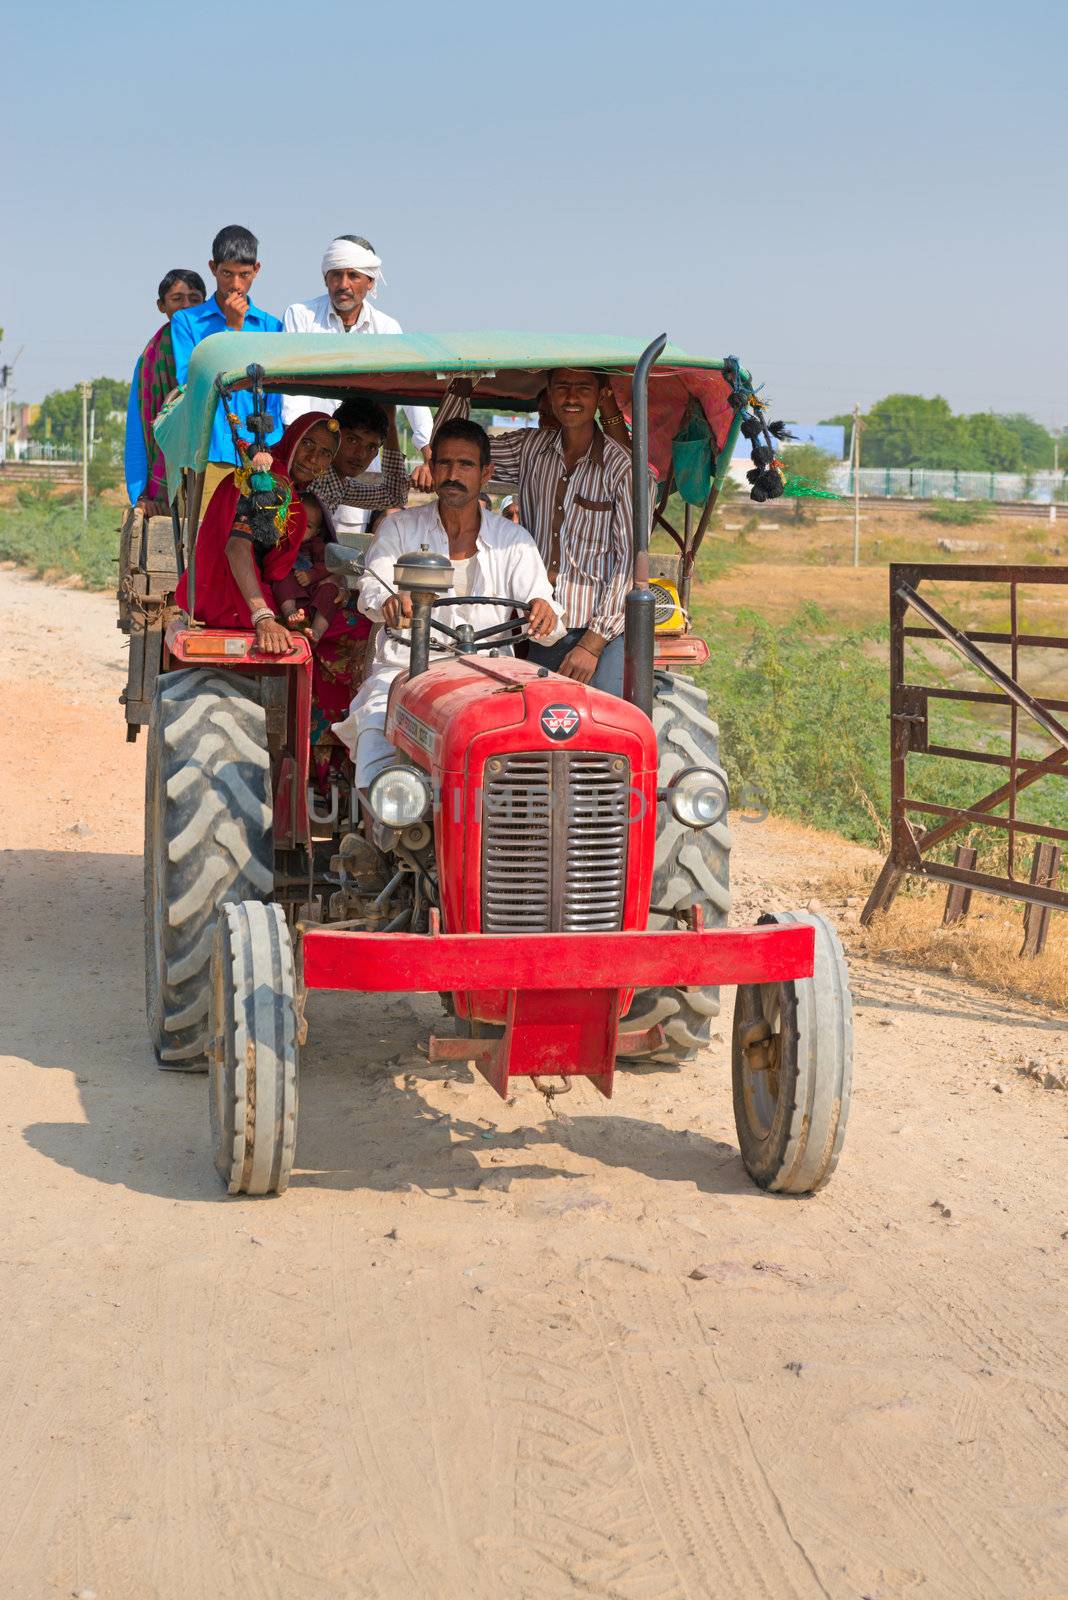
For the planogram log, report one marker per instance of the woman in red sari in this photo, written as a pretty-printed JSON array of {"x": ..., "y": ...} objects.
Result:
[
  {"x": 240, "y": 554},
  {"x": 236, "y": 567}
]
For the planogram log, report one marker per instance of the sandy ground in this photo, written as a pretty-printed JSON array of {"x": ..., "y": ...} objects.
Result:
[{"x": 465, "y": 1355}]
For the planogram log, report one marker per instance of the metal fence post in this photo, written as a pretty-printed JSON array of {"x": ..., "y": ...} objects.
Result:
[
  {"x": 1044, "y": 867},
  {"x": 958, "y": 898}
]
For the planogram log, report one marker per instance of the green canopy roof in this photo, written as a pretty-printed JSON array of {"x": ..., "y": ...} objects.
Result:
[{"x": 405, "y": 368}]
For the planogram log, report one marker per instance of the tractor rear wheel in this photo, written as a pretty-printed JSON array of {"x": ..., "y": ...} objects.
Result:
[
  {"x": 793, "y": 1068},
  {"x": 208, "y": 842},
  {"x": 254, "y": 1054},
  {"x": 691, "y": 867}
]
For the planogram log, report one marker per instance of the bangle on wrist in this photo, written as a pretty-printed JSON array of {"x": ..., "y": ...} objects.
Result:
[
  {"x": 262, "y": 614},
  {"x": 610, "y": 422},
  {"x": 593, "y": 642}
]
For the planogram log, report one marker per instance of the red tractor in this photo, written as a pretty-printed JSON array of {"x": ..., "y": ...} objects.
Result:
[{"x": 549, "y": 858}]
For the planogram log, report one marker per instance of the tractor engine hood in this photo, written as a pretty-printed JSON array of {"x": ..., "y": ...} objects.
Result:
[
  {"x": 554, "y": 752},
  {"x": 462, "y": 711}
]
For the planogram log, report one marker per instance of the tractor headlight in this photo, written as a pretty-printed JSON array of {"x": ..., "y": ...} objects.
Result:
[
  {"x": 698, "y": 797},
  {"x": 399, "y": 796}
]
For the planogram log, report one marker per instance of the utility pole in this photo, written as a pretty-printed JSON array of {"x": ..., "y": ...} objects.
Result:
[
  {"x": 1056, "y": 432},
  {"x": 855, "y": 458},
  {"x": 5, "y": 384},
  {"x": 5, "y": 381},
  {"x": 85, "y": 451}
]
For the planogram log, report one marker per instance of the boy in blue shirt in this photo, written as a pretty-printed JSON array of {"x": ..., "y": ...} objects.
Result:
[{"x": 234, "y": 265}]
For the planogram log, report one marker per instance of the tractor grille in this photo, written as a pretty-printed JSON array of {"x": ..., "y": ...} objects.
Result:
[{"x": 554, "y": 842}]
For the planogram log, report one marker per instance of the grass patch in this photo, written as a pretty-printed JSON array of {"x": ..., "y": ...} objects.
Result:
[
  {"x": 803, "y": 713},
  {"x": 803, "y": 721},
  {"x": 48, "y": 536},
  {"x": 985, "y": 947},
  {"x": 958, "y": 513}
]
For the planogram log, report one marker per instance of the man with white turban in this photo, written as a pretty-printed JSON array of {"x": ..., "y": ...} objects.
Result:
[{"x": 352, "y": 272}]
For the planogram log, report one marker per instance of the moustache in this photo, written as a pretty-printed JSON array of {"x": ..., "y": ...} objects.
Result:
[{"x": 450, "y": 483}]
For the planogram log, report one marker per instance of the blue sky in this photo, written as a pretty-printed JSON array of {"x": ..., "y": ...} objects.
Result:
[{"x": 852, "y": 199}]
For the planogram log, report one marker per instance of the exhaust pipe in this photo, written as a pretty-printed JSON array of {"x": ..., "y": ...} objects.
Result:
[{"x": 639, "y": 615}]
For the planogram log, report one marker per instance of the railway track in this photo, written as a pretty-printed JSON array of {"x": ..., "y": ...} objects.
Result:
[
  {"x": 1029, "y": 510},
  {"x": 34, "y": 471}
]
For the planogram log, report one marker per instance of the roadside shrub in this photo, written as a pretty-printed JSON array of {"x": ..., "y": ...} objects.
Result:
[
  {"x": 803, "y": 721},
  {"x": 36, "y": 493},
  {"x": 51, "y": 536},
  {"x": 958, "y": 513},
  {"x": 804, "y": 718}
]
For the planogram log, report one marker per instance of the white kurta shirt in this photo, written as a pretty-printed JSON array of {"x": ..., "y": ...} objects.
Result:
[
  {"x": 506, "y": 562},
  {"x": 319, "y": 316}
]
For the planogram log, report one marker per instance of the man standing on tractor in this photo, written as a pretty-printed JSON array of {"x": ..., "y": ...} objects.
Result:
[
  {"x": 489, "y": 555},
  {"x": 352, "y": 272},
  {"x": 234, "y": 265},
  {"x": 574, "y": 484},
  {"x": 154, "y": 378}
]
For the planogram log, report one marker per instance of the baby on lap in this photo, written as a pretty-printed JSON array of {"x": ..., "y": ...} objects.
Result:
[{"x": 309, "y": 596}]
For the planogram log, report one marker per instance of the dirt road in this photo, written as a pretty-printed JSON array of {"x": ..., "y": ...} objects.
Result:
[{"x": 465, "y": 1357}]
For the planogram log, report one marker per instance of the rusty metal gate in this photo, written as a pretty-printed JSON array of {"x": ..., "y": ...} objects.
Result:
[{"x": 911, "y": 844}]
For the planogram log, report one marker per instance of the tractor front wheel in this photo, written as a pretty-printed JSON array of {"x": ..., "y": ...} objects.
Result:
[
  {"x": 252, "y": 1068},
  {"x": 208, "y": 841},
  {"x": 793, "y": 1068}
]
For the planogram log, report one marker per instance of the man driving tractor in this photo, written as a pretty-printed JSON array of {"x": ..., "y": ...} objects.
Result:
[
  {"x": 490, "y": 556},
  {"x": 575, "y": 496}
]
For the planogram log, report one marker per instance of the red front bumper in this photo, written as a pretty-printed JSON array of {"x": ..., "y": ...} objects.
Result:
[
  {"x": 334, "y": 959},
  {"x": 564, "y": 989}
]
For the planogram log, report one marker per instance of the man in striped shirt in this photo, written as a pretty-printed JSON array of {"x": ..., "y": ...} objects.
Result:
[{"x": 574, "y": 490}]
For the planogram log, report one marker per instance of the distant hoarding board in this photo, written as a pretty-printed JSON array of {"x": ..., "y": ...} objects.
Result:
[{"x": 826, "y": 436}]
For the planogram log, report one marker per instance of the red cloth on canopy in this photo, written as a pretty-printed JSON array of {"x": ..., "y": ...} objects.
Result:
[
  {"x": 669, "y": 395},
  {"x": 218, "y": 600}
]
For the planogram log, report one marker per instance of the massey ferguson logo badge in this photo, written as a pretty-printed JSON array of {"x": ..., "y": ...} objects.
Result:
[{"x": 559, "y": 722}]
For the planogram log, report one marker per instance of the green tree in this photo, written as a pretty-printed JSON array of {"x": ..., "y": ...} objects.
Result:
[
  {"x": 60, "y": 417},
  {"x": 808, "y": 461},
  {"x": 105, "y": 469},
  {"x": 908, "y": 430},
  {"x": 1035, "y": 442},
  {"x": 990, "y": 445}
]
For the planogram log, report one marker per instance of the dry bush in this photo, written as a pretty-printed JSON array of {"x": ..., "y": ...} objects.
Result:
[{"x": 985, "y": 947}]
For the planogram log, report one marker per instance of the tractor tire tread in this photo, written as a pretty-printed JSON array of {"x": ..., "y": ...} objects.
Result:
[
  {"x": 690, "y": 866},
  {"x": 807, "y": 1151},
  {"x": 254, "y": 1049},
  {"x": 208, "y": 840}
]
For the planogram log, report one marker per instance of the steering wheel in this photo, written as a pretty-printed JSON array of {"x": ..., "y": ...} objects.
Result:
[{"x": 497, "y": 634}]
